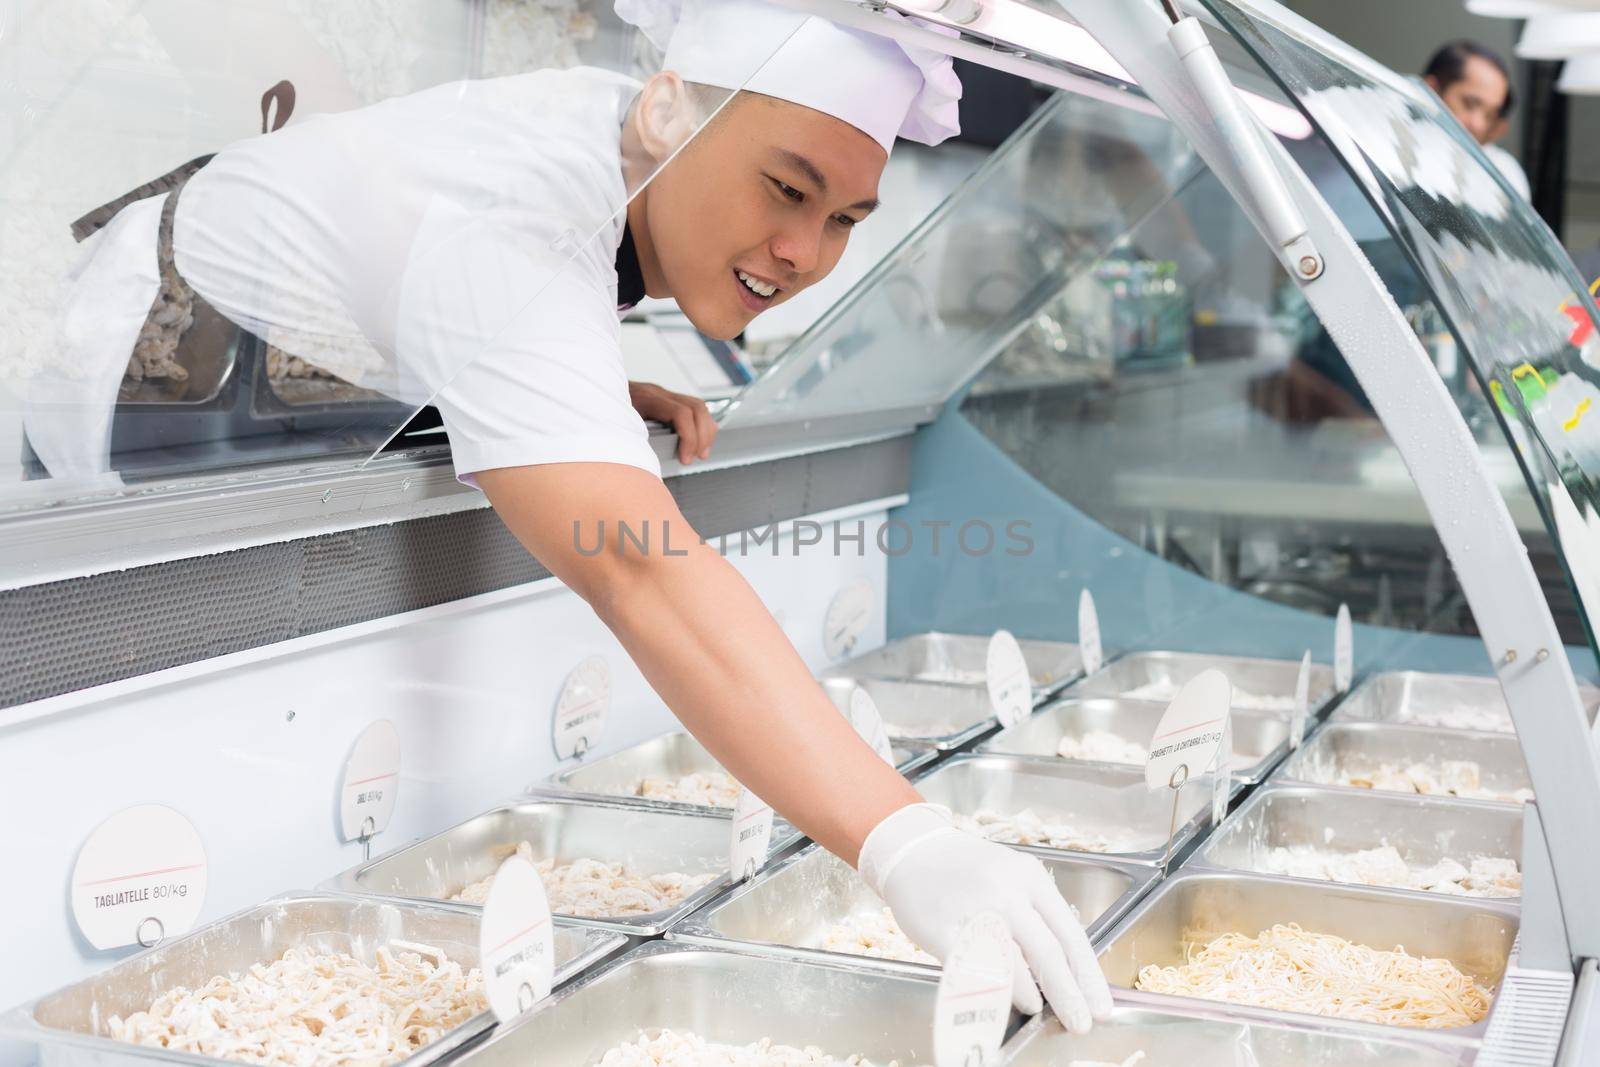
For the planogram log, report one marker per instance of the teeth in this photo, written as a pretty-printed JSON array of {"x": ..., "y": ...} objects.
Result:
[{"x": 759, "y": 288}]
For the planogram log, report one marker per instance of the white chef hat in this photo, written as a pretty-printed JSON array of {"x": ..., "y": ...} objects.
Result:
[{"x": 878, "y": 85}]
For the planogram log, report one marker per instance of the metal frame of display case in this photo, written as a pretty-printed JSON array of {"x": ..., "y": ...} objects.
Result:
[{"x": 1468, "y": 512}]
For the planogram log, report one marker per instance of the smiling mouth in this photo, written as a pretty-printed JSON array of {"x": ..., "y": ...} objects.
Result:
[{"x": 756, "y": 293}]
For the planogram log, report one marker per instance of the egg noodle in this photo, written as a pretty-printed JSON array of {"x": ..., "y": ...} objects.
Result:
[
  {"x": 315, "y": 1009},
  {"x": 1296, "y": 970}
]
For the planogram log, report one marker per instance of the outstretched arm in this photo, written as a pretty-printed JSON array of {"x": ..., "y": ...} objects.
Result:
[{"x": 705, "y": 643}]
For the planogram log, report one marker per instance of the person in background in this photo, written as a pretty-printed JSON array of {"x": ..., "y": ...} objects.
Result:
[{"x": 1475, "y": 84}]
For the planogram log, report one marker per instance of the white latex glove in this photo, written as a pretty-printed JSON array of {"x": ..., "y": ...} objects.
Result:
[{"x": 934, "y": 876}]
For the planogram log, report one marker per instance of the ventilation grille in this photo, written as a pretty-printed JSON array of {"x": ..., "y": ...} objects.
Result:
[
  {"x": 63, "y": 636},
  {"x": 1529, "y": 1015}
]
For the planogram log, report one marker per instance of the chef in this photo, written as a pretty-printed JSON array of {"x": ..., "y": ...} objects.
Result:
[{"x": 471, "y": 246}]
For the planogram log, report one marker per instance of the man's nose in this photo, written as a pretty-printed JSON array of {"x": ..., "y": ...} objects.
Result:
[{"x": 799, "y": 247}]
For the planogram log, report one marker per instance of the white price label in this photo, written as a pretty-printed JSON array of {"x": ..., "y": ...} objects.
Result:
[
  {"x": 1006, "y": 673},
  {"x": 1190, "y": 730},
  {"x": 371, "y": 782},
  {"x": 1302, "y": 703},
  {"x": 581, "y": 708},
  {"x": 1344, "y": 650},
  {"x": 1222, "y": 773},
  {"x": 140, "y": 878},
  {"x": 864, "y": 716},
  {"x": 749, "y": 836},
  {"x": 846, "y": 619},
  {"x": 974, "y": 999},
  {"x": 1089, "y": 633},
  {"x": 516, "y": 940}
]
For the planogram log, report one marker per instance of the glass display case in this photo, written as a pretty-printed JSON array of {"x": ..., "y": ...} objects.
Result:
[{"x": 1105, "y": 379}]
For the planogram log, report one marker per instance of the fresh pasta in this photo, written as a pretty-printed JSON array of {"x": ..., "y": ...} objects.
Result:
[
  {"x": 594, "y": 889},
  {"x": 315, "y": 1009},
  {"x": 1292, "y": 969}
]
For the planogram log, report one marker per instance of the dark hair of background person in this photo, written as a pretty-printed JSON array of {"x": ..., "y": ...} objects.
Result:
[{"x": 1449, "y": 65}]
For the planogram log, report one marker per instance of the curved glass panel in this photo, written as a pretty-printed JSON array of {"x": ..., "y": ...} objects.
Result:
[
  {"x": 1497, "y": 276},
  {"x": 219, "y": 258}
]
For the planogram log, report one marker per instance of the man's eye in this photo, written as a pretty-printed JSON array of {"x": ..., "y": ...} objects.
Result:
[
  {"x": 789, "y": 191},
  {"x": 844, "y": 220}
]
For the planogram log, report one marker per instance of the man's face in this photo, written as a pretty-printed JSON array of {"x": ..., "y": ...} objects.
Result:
[
  {"x": 1476, "y": 98},
  {"x": 758, "y": 207}
]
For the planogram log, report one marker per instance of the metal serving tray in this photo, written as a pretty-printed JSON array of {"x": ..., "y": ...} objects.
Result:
[
  {"x": 1196, "y": 906},
  {"x": 722, "y": 996},
  {"x": 68, "y": 1025},
  {"x": 675, "y": 755},
  {"x": 1416, "y": 699},
  {"x": 646, "y": 840},
  {"x": 927, "y": 713},
  {"x": 788, "y": 909},
  {"x": 961, "y": 659},
  {"x": 1424, "y": 830},
  {"x": 1210, "y": 1039},
  {"x": 1095, "y": 797},
  {"x": 1344, "y": 747},
  {"x": 1260, "y": 738},
  {"x": 1260, "y": 677}
]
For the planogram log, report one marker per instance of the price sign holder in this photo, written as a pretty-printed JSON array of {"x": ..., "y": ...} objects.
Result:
[
  {"x": 582, "y": 708},
  {"x": 1006, "y": 674},
  {"x": 1089, "y": 633},
  {"x": 139, "y": 879},
  {"x": 1344, "y": 652},
  {"x": 1189, "y": 739},
  {"x": 516, "y": 940},
  {"x": 1302, "y": 703},
  {"x": 749, "y": 836},
  {"x": 863, "y": 715},
  {"x": 370, "y": 784},
  {"x": 974, "y": 999}
]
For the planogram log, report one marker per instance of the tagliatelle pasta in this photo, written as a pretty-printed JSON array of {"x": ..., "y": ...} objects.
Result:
[
  {"x": 714, "y": 789},
  {"x": 675, "y": 1048},
  {"x": 594, "y": 889},
  {"x": 1293, "y": 969},
  {"x": 315, "y": 1009}
]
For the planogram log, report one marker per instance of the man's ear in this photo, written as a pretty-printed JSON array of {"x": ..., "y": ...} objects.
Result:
[
  {"x": 1433, "y": 83},
  {"x": 666, "y": 116}
]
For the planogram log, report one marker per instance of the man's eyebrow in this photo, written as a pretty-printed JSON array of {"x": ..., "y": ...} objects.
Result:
[
  {"x": 804, "y": 166},
  {"x": 814, "y": 174}
]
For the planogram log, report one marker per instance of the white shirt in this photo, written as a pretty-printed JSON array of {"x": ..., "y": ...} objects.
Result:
[
  {"x": 456, "y": 246},
  {"x": 1507, "y": 164}
]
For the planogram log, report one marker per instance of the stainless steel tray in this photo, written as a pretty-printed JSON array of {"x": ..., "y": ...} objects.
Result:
[
  {"x": 1256, "y": 677},
  {"x": 1260, "y": 738},
  {"x": 722, "y": 996},
  {"x": 1449, "y": 701},
  {"x": 1424, "y": 830},
  {"x": 927, "y": 713},
  {"x": 788, "y": 909},
  {"x": 1211, "y": 1039},
  {"x": 564, "y": 829},
  {"x": 69, "y": 1024},
  {"x": 961, "y": 659},
  {"x": 1093, "y": 797},
  {"x": 1360, "y": 747},
  {"x": 1196, "y": 906},
  {"x": 675, "y": 755},
  {"x": 208, "y": 351}
]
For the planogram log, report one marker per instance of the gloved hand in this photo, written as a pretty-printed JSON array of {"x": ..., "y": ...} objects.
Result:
[{"x": 934, "y": 876}]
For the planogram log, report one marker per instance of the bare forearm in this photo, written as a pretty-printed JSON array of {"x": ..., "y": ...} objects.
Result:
[
  {"x": 706, "y": 643},
  {"x": 714, "y": 653}
]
